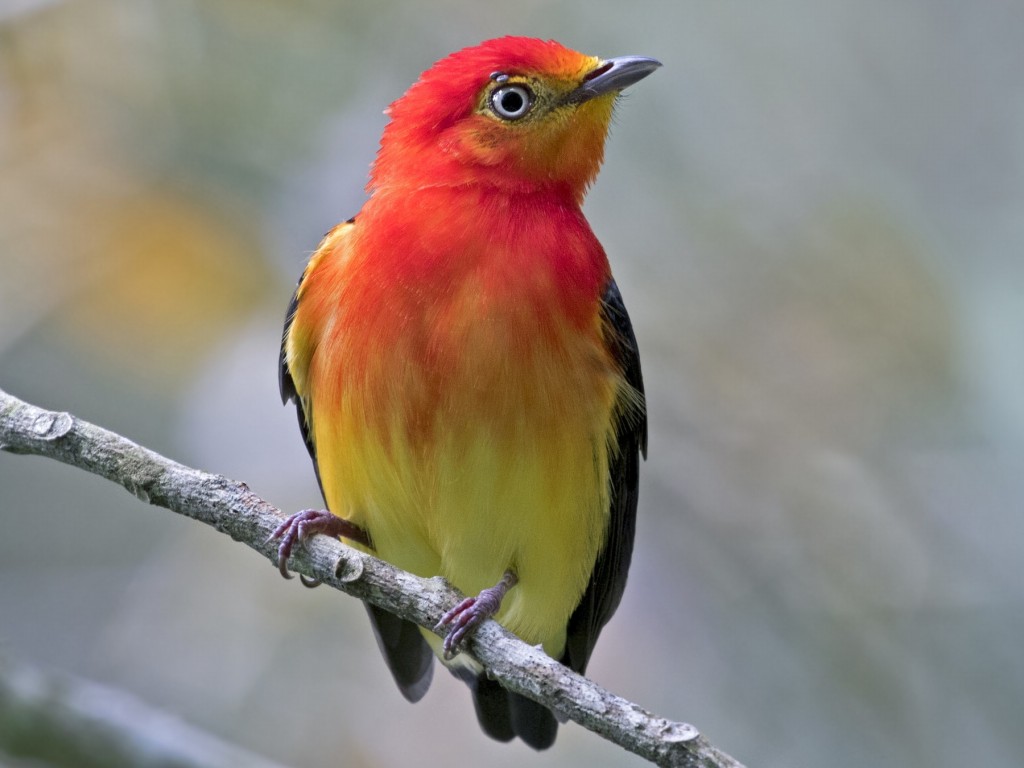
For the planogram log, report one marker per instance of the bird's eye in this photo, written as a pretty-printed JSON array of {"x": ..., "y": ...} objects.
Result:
[{"x": 510, "y": 102}]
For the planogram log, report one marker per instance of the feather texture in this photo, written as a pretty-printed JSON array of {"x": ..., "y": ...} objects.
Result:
[{"x": 467, "y": 378}]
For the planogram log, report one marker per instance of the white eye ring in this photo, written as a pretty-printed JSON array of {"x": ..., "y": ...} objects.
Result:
[{"x": 511, "y": 102}]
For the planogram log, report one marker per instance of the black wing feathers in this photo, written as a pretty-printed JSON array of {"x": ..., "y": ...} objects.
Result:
[
  {"x": 284, "y": 376},
  {"x": 608, "y": 580},
  {"x": 408, "y": 656},
  {"x": 287, "y": 384}
]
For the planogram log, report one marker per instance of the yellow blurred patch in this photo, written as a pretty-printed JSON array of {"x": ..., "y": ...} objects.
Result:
[{"x": 172, "y": 278}]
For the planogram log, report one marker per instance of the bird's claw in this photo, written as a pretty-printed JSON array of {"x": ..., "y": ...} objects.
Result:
[
  {"x": 306, "y": 523},
  {"x": 465, "y": 617},
  {"x": 295, "y": 528}
]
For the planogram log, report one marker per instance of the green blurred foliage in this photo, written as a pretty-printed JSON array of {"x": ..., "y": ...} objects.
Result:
[{"x": 814, "y": 213}]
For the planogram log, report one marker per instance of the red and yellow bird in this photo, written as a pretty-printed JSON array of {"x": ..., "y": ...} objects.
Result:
[{"x": 467, "y": 378}]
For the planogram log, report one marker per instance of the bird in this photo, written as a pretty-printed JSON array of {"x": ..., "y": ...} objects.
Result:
[{"x": 466, "y": 376}]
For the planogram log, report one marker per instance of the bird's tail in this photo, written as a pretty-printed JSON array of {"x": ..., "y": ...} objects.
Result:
[{"x": 503, "y": 715}]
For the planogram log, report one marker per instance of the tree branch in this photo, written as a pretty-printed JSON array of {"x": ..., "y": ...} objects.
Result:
[
  {"x": 231, "y": 508},
  {"x": 61, "y": 722}
]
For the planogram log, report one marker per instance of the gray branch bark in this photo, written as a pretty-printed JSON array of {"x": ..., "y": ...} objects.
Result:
[{"x": 231, "y": 508}]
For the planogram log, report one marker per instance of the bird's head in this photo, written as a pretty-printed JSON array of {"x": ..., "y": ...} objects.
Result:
[{"x": 513, "y": 112}]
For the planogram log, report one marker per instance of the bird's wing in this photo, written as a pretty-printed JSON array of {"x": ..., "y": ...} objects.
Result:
[
  {"x": 286, "y": 381},
  {"x": 406, "y": 652},
  {"x": 293, "y": 365},
  {"x": 608, "y": 579}
]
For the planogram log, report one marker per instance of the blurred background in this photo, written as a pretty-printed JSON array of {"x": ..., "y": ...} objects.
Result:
[{"x": 815, "y": 212}]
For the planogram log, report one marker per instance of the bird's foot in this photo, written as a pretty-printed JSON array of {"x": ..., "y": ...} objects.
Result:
[
  {"x": 302, "y": 525},
  {"x": 472, "y": 612}
]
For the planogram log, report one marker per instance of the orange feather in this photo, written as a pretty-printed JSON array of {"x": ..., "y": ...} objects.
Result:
[{"x": 468, "y": 380}]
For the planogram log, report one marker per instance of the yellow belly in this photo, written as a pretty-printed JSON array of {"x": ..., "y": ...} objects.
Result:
[{"x": 501, "y": 463}]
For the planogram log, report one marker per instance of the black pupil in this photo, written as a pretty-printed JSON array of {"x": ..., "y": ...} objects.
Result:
[{"x": 512, "y": 101}]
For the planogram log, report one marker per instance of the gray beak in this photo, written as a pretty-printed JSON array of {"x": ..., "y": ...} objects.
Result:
[{"x": 612, "y": 75}]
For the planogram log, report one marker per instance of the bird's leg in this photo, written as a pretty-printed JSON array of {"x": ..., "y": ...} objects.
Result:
[
  {"x": 306, "y": 523},
  {"x": 472, "y": 612}
]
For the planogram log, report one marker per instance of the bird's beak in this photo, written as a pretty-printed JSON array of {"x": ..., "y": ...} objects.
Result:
[{"x": 612, "y": 75}]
